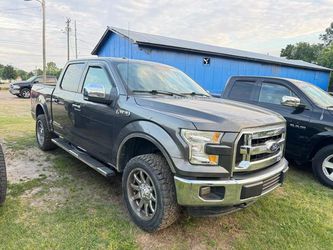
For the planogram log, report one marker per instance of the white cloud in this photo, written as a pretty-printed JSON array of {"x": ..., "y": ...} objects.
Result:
[{"x": 263, "y": 26}]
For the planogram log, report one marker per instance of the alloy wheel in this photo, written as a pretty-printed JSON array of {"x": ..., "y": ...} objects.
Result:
[
  {"x": 327, "y": 167},
  {"x": 142, "y": 193}
]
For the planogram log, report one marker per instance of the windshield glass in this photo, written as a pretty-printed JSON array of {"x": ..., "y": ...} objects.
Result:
[
  {"x": 149, "y": 77},
  {"x": 317, "y": 95},
  {"x": 31, "y": 79}
]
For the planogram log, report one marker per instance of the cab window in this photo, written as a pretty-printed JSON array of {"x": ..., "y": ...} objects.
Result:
[
  {"x": 244, "y": 90},
  {"x": 273, "y": 93},
  {"x": 71, "y": 79},
  {"x": 97, "y": 74}
]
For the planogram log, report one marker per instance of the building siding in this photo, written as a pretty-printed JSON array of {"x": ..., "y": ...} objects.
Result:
[{"x": 214, "y": 76}]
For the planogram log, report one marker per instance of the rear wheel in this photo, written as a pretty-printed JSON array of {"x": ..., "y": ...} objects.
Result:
[
  {"x": 3, "y": 177},
  {"x": 43, "y": 134},
  {"x": 149, "y": 192},
  {"x": 25, "y": 93},
  {"x": 322, "y": 166}
]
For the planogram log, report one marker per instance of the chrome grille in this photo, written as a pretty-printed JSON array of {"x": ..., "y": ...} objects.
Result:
[{"x": 259, "y": 148}]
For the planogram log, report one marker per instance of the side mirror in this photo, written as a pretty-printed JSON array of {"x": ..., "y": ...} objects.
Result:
[
  {"x": 95, "y": 92},
  {"x": 36, "y": 81},
  {"x": 291, "y": 101}
]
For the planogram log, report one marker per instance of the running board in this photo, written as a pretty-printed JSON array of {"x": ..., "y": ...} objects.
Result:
[{"x": 84, "y": 157}]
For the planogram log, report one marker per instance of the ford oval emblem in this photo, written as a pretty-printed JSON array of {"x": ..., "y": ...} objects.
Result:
[{"x": 272, "y": 146}]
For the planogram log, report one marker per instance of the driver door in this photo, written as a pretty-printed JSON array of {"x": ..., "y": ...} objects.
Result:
[{"x": 270, "y": 96}]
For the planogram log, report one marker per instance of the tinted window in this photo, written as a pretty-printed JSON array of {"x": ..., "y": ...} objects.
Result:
[
  {"x": 71, "y": 79},
  {"x": 98, "y": 75},
  {"x": 242, "y": 90},
  {"x": 273, "y": 93}
]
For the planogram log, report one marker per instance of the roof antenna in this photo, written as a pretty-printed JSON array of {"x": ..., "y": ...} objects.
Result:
[{"x": 128, "y": 52}]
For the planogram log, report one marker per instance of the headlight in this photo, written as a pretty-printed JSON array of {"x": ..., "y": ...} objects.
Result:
[
  {"x": 196, "y": 141},
  {"x": 16, "y": 87}
]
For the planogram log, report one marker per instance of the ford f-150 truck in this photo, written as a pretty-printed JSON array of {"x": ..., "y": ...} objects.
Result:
[
  {"x": 175, "y": 145},
  {"x": 308, "y": 111}
]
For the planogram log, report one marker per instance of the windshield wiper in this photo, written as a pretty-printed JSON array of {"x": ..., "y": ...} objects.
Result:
[
  {"x": 195, "y": 93},
  {"x": 156, "y": 92}
]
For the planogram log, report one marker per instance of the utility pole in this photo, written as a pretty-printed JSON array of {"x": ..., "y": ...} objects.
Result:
[
  {"x": 42, "y": 2},
  {"x": 68, "y": 21},
  {"x": 75, "y": 39}
]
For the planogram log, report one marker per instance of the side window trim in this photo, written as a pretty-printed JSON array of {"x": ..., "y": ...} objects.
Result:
[{"x": 64, "y": 73}]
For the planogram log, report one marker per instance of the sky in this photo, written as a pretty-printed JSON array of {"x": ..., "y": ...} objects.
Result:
[{"x": 263, "y": 26}]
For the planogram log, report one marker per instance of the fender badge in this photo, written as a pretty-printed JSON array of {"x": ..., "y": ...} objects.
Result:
[{"x": 123, "y": 112}]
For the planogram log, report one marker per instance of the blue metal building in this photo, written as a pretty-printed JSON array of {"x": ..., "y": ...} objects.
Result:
[{"x": 210, "y": 66}]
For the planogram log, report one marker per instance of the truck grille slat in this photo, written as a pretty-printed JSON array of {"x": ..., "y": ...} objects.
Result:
[{"x": 271, "y": 183}]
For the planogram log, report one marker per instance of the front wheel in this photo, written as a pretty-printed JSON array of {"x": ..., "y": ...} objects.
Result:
[
  {"x": 25, "y": 93},
  {"x": 149, "y": 192},
  {"x": 3, "y": 177},
  {"x": 322, "y": 166}
]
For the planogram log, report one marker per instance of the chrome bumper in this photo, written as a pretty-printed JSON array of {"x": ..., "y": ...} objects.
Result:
[{"x": 235, "y": 191}]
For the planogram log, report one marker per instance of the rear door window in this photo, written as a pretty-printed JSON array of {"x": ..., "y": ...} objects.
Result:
[
  {"x": 273, "y": 93},
  {"x": 244, "y": 91},
  {"x": 71, "y": 79}
]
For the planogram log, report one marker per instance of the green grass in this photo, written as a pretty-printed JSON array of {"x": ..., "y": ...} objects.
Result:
[{"x": 79, "y": 209}]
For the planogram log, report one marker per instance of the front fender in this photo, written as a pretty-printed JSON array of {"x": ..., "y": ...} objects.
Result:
[
  {"x": 153, "y": 133},
  {"x": 319, "y": 140}
]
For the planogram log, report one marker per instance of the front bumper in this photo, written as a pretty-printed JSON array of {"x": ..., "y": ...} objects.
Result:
[
  {"x": 14, "y": 91},
  {"x": 240, "y": 189}
]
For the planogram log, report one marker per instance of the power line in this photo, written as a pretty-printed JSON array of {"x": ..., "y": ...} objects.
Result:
[{"x": 18, "y": 9}]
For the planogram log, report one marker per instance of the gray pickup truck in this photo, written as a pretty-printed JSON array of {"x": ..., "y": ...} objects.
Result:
[{"x": 175, "y": 145}]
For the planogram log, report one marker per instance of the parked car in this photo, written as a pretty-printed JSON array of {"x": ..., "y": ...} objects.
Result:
[
  {"x": 23, "y": 88},
  {"x": 308, "y": 111},
  {"x": 175, "y": 145},
  {"x": 3, "y": 177}
]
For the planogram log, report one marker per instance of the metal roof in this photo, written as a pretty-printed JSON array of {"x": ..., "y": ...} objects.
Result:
[{"x": 145, "y": 39}]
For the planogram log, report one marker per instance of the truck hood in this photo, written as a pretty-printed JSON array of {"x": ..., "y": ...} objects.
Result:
[{"x": 212, "y": 113}]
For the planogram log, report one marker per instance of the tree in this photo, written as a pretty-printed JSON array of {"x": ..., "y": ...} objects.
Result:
[
  {"x": 302, "y": 51},
  {"x": 326, "y": 59},
  {"x": 327, "y": 37},
  {"x": 8, "y": 72},
  {"x": 52, "y": 69}
]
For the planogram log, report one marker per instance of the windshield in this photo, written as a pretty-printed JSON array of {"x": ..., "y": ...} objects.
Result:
[
  {"x": 317, "y": 95},
  {"x": 31, "y": 79},
  {"x": 152, "y": 77}
]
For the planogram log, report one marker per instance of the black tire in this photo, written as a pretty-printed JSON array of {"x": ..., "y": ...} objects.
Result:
[
  {"x": 43, "y": 134},
  {"x": 3, "y": 177},
  {"x": 166, "y": 208},
  {"x": 25, "y": 93},
  {"x": 320, "y": 172}
]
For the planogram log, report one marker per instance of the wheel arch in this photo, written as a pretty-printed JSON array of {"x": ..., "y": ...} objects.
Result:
[
  {"x": 320, "y": 141},
  {"x": 145, "y": 143},
  {"x": 42, "y": 110}
]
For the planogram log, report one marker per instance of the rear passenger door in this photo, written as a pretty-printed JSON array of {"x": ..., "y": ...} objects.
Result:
[
  {"x": 270, "y": 97},
  {"x": 243, "y": 90},
  {"x": 63, "y": 100}
]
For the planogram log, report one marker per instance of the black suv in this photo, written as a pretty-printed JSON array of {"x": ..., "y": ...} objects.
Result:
[
  {"x": 23, "y": 88},
  {"x": 308, "y": 111}
]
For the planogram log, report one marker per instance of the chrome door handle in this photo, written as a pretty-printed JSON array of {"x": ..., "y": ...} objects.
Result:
[{"x": 76, "y": 107}]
